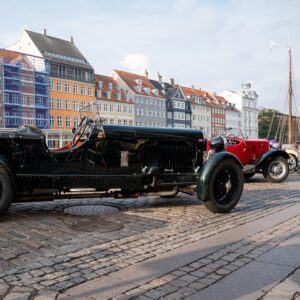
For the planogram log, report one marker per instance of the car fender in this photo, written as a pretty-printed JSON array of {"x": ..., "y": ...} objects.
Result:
[
  {"x": 205, "y": 173},
  {"x": 268, "y": 156}
]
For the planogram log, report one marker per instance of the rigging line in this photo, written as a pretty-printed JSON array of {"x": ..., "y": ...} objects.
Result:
[
  {"x": 279, "y": 125},
  {"x": 271, "y": 125}
]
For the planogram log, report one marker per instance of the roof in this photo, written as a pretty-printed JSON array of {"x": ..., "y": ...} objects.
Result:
[
  {"x": 189, "y": 91},
  {"x": 115, "y": 89},
  {"x": 9, "y": 55},
  {"x": 58, "y": 50},
  {"x": 130, "y": 80}
]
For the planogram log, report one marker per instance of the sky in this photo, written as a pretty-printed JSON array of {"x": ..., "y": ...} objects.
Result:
[{"x": 213, "y": 45}]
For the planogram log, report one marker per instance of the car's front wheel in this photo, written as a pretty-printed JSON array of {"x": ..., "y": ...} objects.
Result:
[
  {"x": 276, "y": 170},
  {"x": 6, "y": 190},
  {"x": 225, "y": 186}
]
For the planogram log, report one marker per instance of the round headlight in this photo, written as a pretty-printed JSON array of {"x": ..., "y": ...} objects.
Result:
[{"x": 218, "y": 143}]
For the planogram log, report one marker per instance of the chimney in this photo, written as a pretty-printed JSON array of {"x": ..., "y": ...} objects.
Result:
[
  {"x": 193, "y": 87},
  {"x": 172, "y": 81},
  {"x": 159, "y": 77},
  {"x": 72, "y": 40},
  {"x": 45, "y": 32},
  {"x": 146, "y": 73}
]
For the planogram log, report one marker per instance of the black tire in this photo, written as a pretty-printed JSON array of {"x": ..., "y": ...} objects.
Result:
[
  {"x": 292, "y": 162},
  {"x": 249, "y": 175},
  {"x": 225, "y": 186},
  {"x": 276, "y": 170},
  {"x": 6, "y": 190}
]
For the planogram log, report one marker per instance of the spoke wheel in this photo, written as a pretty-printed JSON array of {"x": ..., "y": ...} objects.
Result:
[
  {"x": 292, "y": 161},
  {"x": 225, "y": 186},
  {"x": 276, "y": 170}
]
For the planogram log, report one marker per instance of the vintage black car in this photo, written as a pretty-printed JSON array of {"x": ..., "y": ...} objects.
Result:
[{"x": 120, "y": 161}]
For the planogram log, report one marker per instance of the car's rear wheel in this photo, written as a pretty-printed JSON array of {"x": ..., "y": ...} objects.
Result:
[
  {"x": 292, "y": 161},
  {"x": 225, "y": 187},
  {"x": 6, "y": 190},
  {"x": 276, "y": 170}
]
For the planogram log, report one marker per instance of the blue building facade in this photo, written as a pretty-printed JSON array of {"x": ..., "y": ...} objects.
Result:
[{"x": 24, "y": 90}]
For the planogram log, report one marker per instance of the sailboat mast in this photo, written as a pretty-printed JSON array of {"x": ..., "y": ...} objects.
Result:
[{"x": 290, "y": 96}]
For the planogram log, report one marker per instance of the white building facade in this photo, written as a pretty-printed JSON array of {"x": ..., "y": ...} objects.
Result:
[{"x": 245, "y": 100}]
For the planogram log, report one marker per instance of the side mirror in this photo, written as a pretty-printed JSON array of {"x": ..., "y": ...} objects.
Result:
[{"x": 73, "y": 130}]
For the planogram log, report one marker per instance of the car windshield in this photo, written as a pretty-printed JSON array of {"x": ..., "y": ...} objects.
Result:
[{"x": 91, "y": 110}]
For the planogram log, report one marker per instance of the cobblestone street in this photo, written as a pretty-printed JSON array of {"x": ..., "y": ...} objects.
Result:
[{"x": 155, "y": 248}]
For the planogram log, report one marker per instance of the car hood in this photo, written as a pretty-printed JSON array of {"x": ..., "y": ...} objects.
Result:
[{"x": 168, "y": 134}]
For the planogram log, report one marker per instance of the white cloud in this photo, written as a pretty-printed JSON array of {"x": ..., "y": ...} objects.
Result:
[
  {"x": 209, "y": 44},
  {"x": 135, "y": 62}
]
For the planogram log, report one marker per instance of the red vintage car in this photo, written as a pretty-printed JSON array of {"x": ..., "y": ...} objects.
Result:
[{"x": 255, "y": 155}]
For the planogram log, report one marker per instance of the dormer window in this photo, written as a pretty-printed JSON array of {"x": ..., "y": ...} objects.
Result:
[
  {"x": 110, "y": 86},
  {"x": 118, "y": 88},
  {"x": 127, "y": 97},
  {"x": 119, "y": 96},
  {"x": 100, "y": 85},
  {"x": 138, "y": 88},
  {"x": 147, "y": 90},
  {"x": 155, "y": 92},
  {"x": 139, "y": 82},
  {"x": 108, "y": 95},
  {"x": 99, "y": 93}
]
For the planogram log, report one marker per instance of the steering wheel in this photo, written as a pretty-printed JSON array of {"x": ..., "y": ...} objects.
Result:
[{"x": 78, "y": 134}]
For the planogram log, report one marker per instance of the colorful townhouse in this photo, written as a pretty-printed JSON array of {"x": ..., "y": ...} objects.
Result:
[
  {"x": 71, "y": 82},
  {"x": 201, "y": 109},
  {"x": 24, "y": 91},
  {"x": 178, "y": 107},
  {"x": 113, "y": 103},
  {"x": 149, "y": 102}
]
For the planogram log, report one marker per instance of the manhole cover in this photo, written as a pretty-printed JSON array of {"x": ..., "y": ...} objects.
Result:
[
  {"x": 90, "y": 210},
  {"x": 95, "y": 225}
]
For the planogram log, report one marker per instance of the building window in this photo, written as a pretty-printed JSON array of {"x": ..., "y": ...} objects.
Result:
[
  {"x": 75, "y": 89},
  {"x": 68, "y": 122},
  {"x": 67, "y": 88},
  {"x": 82, "y": 104},
  {"x": 110, "y": 86},
  {"x": 108, "y": 95},
  {"x": 59, "y": 121},
  {"x": 51, "y": 103},
  {"x": 130, "y": 109},
  {"x": 51, "y": 85},
  {"x": 124, "y": 109},
  {"x": 105, "y": 107},
  {"x": 119, "y": 108},
  {"x": 112, "y": 121},
  {"x": 75, "y": 122},
  {"x": 83, "y": 90},
  {"x": 59, "y": 103},
  {"x": 58, "y": 86},
  {"x": 99, "y": 93},
  {"x": 75, "y": 103},
  {"x": 111, "y": 108},
  {"x": 90, "y": 91},
  {"x": 68, "y": 105},
  {"x": 169, "y": 115},
  {"x": 125, "y": 122},
  {"x": 51, "y": 120},
  {"x": 119, "y": 122}
]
